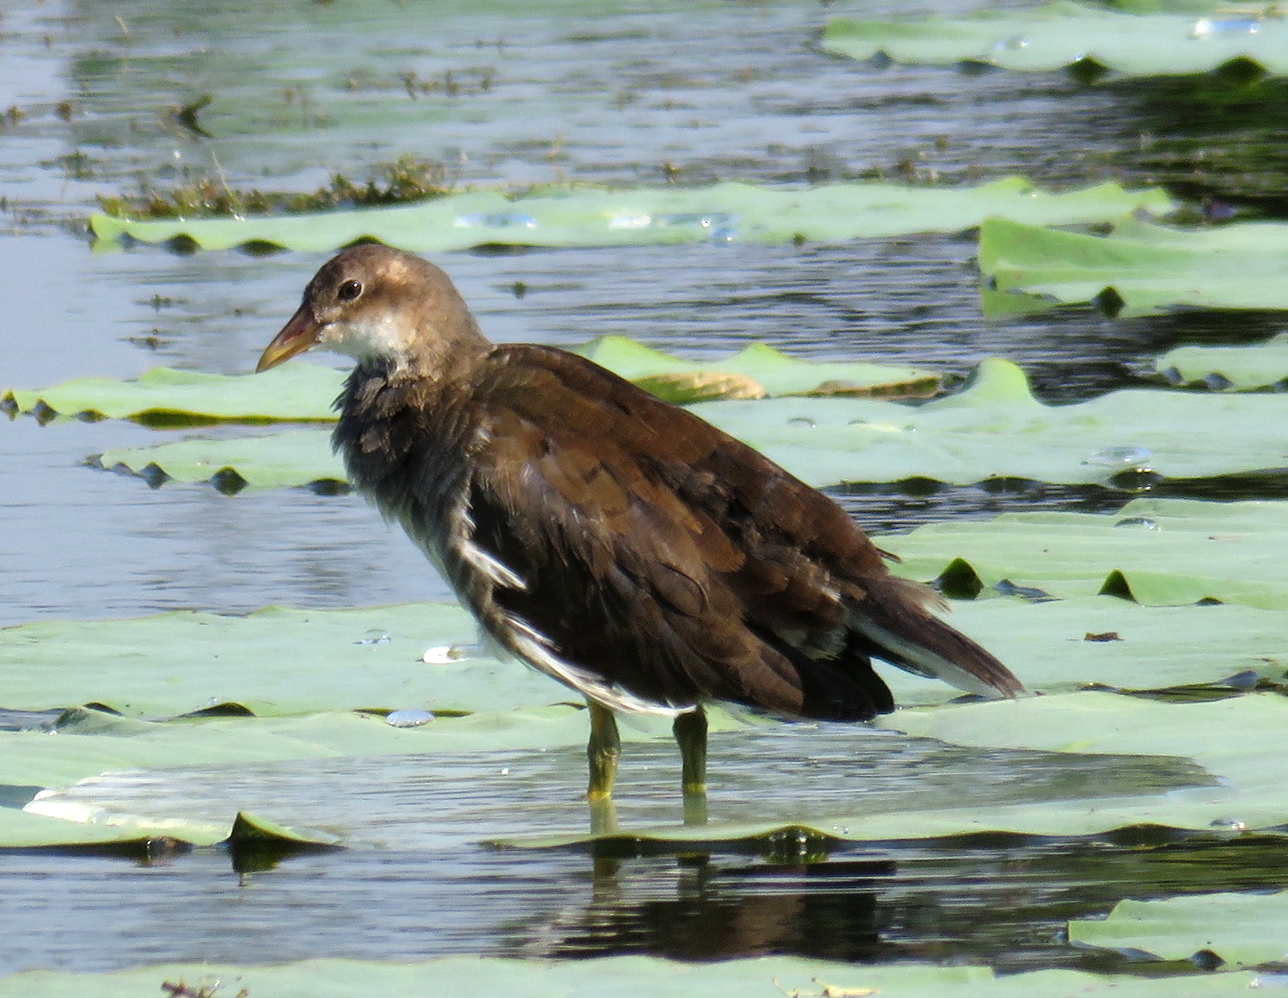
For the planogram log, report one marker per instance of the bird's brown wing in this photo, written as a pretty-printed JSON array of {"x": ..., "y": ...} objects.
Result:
[{"x": 658, "y": 553}]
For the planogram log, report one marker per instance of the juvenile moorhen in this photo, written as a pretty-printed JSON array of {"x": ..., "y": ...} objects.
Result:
[{"x": 611, "y": 540}]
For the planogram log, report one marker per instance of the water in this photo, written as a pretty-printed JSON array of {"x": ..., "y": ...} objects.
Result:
[{"x": 690, "y": 94}]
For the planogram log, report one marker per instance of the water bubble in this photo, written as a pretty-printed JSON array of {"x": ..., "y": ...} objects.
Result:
[
  {"x": 1208, "y": 26},
  {"x": 802, "y": 421},
  {"x": 1228, "y": 824},
  {"x": 636, "y": 221},
  {"x": 1144, "y": 522},
  {"x": 496, "y": 220},
  {"x": 447, "y": 654},
  {"x": 412, "y": 717},
  {"x": 375, "y": 636},
  {"x": 717, "y": 226},
  {"x": 1118, "y": 457},
  {"x": 1012, "y": 44}
]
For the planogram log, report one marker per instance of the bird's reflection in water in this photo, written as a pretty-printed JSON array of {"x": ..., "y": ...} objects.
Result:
[
  {"x": 1005, "y": 903},
  {"x": 824, "y": 910}
]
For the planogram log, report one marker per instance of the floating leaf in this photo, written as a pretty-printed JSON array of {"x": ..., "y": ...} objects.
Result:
[
  {"x": 279, "y": 662},
  {"x": 294, "y": 392},
  {"x": 1062, "y": 645},
  {"x": 1240, "y": 930},
  {"x": 1235, "y": 740},
  {"x": 624, "y": 975},
  {"x": 1228, "y": 368},
  {"x": 303, "y": 392},
  {"x": 1137, "y": 268},
  {"x": 1087, "y": 41},
  {"x": 994, "y": 429},
  {"x": 1153, "y": 551},
  {"x": 273, "y": 662},
  {"x": 253, "y": 829},
  {"x": 656, "y": 216}
]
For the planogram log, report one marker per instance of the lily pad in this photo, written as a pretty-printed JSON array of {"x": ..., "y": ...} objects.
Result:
[
  {"x": 1137, "y": 268},
  {"x": 1163, "y": 552},
  {"x": 655, "y": 216},
  {"x": 163, "y": 396},
  {"x": 88, "y": 743},
  {"x": 1228, "y": 368},
  {"x": 624, "y": 975},
  {"x": 304, "y": 392},
  {"x": 761, "y": 370},
  {"x": 993, "y": 429},
  {"x": 272, "y": 662},
  {"x": 1087, "y": 41},
  {"x": 1234, "y": 740},
  {"x": 1240, "y": 930},
  {"x": 1063, "y": 645},
  {"x": 279, "y": 662}
]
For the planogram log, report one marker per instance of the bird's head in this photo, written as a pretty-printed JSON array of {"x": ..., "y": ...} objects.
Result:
[{"x": 382, "y": 306}]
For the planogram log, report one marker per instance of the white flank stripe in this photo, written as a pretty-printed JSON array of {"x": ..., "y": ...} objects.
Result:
[{"x": 535, "y": 649}]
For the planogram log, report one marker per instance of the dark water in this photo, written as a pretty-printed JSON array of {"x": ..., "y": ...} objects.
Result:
[{"x": 625, "y": 93}]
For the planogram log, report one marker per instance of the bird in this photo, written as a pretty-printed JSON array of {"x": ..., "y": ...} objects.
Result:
[{"x": 616, "y": 542}]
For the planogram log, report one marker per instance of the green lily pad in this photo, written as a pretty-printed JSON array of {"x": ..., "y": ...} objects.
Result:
[
  {"x": 767, "y": 372},
  {"x": 272, "y": 662},
  {"x": 624, "y": 975},
  {"x": 279, "y": 662},
  {"x": 1228, "y": 368},
  {"x": 1137, "y": 268},
  {"x": 21, "y": 829},
  {"x": 655, "y": 216},
  {"x": 163, "y": 396},
  {"x": 90, "y": 742},
  {"x": 304, "y": 392},
  {"x": 1234, "y": 740},
  {"x": 1162, "y": 552},
  {"x": 1063, "y": 645},
  {"x": 993, "y": 429},
  {"x": 1242, "y": 930},
  {"x": 1087, "y": 41}
]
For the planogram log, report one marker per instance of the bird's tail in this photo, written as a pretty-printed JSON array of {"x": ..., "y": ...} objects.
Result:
[{"x": 895, "y": 625}]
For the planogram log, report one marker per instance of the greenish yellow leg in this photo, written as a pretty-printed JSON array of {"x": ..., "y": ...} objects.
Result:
[
  {"x": 691, "y": 735},
  {"x": 604, "y": 750}
]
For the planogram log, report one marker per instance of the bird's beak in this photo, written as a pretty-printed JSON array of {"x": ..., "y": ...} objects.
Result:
[{"x": 296, "y": 336}]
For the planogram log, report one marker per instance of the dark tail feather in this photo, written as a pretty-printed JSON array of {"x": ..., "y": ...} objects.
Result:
[{"x": 896, "y": 627}]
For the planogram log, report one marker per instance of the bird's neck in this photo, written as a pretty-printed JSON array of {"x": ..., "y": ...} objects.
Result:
[{"x": 403, "y": 439}]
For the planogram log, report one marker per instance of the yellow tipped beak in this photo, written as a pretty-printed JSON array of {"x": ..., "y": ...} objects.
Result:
[{"x": 300, "y": 333}]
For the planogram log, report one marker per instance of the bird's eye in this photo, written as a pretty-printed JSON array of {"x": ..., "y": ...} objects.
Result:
[{"x": 349, "y": 290}]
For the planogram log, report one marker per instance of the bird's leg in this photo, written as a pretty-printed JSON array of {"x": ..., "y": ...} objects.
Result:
[
  {"x": 691, "y": 735},
  {"x": 604, "y": 750}
]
